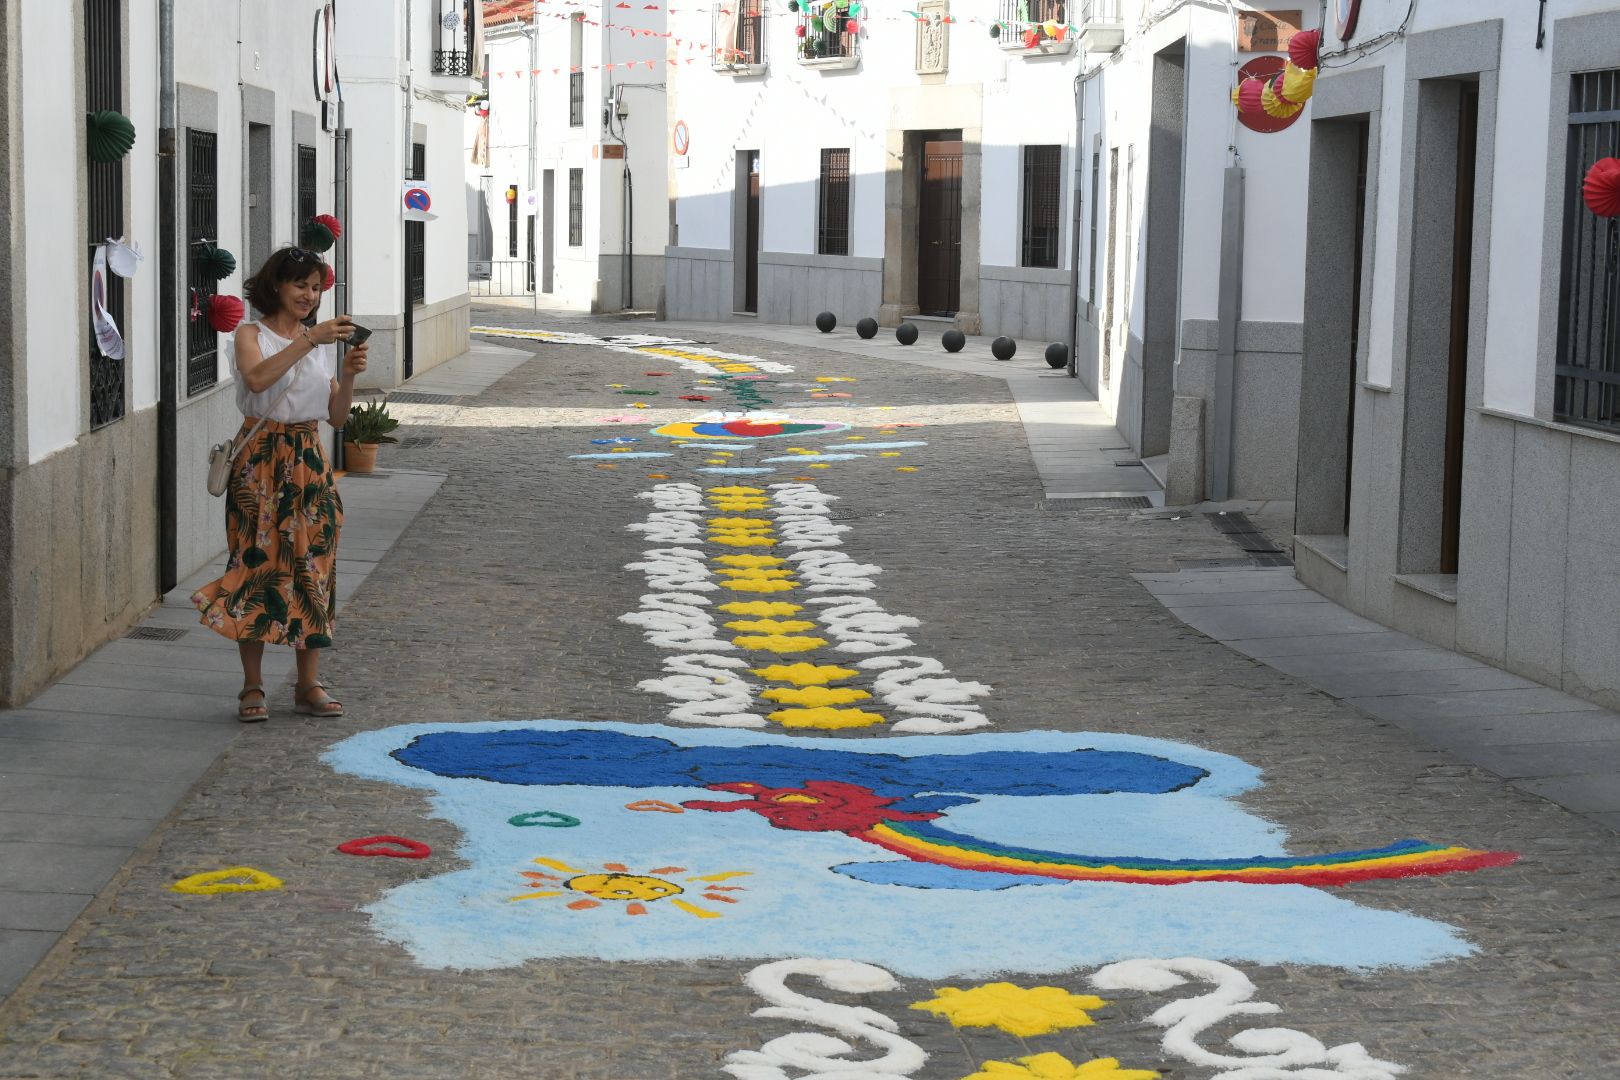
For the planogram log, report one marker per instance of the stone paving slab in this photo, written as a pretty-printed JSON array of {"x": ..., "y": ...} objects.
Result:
[{"x": 502, "y": 601}]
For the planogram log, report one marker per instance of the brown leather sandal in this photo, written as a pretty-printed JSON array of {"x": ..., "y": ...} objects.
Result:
[
  {"x": 305, "y": 703},
  {"x": 252, "y": 714}
]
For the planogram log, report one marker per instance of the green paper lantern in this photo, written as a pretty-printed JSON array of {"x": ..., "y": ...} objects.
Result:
[
  {"x": 216, "y": 262},
  {"x": 110, "y": 135},
  {"x": 995, "y": 30},
  {"x": 854, "y": 9},
  {"x": 316, "y": 236}
]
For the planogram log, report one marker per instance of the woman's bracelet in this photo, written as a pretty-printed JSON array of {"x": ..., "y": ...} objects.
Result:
[{"x": 312, "y": 342}]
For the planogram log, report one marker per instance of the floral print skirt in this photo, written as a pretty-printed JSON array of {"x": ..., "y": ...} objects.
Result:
[{"x": 282, "y": 519}]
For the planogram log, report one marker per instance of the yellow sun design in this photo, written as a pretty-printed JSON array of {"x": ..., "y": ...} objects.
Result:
[
  {"x": 619, "y": 884},
  {"x": 1017, "y": 1010},
  {"x": 1057, "y": 1067}
]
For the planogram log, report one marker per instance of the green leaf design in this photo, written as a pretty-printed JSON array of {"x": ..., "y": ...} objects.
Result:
[
  {"x": 313, "y": 459},
  {"x": 317, "y": 641},
  {"x": 254, "y": 557}
]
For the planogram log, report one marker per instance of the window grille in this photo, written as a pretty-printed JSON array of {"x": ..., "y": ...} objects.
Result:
[
  {"x": 511, "y": 221},
  {"x": 822, "y": 40},
  {"x": 456, "y": 32},
  {"x": 576, "y": 207},
  {"x": 576, "y": 99},
  {"x": 739, "y": 33},
  {"x": 1042, "y": 205},
  {"x": 202, "y": 230},
  {"x": 1587, "y": 383},
  {"x": 832, "y": 223},
  {"x": 306, "y": 184},
  {"x": 1096, "y": 172},
  {"x": 416, "y": 237},
  {"x": 104, "y": 89}
]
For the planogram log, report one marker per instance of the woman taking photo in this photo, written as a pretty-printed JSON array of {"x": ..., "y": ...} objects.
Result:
[{"x": 282, "y": 511}]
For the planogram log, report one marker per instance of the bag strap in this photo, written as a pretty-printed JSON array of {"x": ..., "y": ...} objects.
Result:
[{"x": 236, "y": 451}]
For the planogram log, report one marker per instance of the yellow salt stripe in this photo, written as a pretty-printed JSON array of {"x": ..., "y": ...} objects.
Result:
[
  {"x": 771, "y": 626},
  {"x": 815, "y": 696},
  {"x": 890, "y": 453},
  {"x": 753, "y": 573},
  {"x": 801, "y": 674},
  {"x": 735, "y": 490},
  {"x": 778, "y": 643},
  {"x": 740, "y": 523},
  {"x": 739, "y": 540},
  {"x": 759, "y": 586},
  {"x": 761, "y": 608},
  {"x": 829, "y": 719},
  {"x": 749, "y": 560}
]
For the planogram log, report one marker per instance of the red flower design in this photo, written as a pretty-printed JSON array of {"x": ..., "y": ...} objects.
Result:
[{"x": 819, "y": 806}]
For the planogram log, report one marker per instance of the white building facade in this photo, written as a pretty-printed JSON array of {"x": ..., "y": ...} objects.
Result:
[
  {"x": 569, "y": 198},
  {"x": 407, "y": 70},
  {"x": 927, "y": 165},
  {"x": 102, "y": 497},
  {"x": 1461, "y": 385}
]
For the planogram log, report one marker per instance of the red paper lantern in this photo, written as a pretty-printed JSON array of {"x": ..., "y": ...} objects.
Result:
[
  {"x": 1305, "y": 49},
  {"x": 331, "y": 223},
  {"x": 853, "y": 26},
  {"x": 799, "y": 30},
  {"x": 1602, "y": 188},
  {"x": 327, "y": 277},
  {"x": 1250, "y": 95},
  {"x": 1032, "y": 38},
  {"x": 224, "y": 312}
]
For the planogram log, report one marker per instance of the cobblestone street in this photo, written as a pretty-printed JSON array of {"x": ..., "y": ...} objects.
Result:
[{"x": 1107, "y": 727}]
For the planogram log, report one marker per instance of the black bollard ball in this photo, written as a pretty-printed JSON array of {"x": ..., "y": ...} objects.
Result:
[
  {"x": 953, "y": 340},
  {"x": 826, "y": 321},
  {"x": 1057, "y": 355},
  {"x": 867, "y": 327},
  {"x": 905, "y": 333},
  {"x": 1003, "y": 348}
]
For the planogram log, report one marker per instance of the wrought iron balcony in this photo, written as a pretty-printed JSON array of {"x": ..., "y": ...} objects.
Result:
[{"x": 452, "y": 62}]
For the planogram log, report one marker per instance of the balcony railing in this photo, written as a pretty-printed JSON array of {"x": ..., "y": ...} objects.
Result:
[
  {"x": 739, "y": 36},
  {"x": 451, "y": 62},
  {"x": 1043, "y": 27},
  {"x": 825, "y": 37}
]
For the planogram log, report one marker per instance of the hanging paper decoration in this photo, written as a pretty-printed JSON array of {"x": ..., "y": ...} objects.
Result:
[
  {"x": 224, "y": 312},
  {"x": 328, "y": 276},
  {"x": 995, "y": 31},
  {"x": 1272, "y": 101},
  {"x": 793, "y": 5},
  {"x": 216, "y": 262},
  {"x": 1032, "y": 38},
  {"x": 1602, "y": 188},
  {"x": 124, "y": 259},
  {"x": 316, "y": 236},
  {"x": 108, "y": 339},
  {"x": 110, "y": 135},
  {"x": 332, "y": 224},
  {"x": 799, "y": 30},
  {"x": 1298, "y": 83},
  {"x": 1305, "y": 49},
  {"x": 853, "y": 26}
]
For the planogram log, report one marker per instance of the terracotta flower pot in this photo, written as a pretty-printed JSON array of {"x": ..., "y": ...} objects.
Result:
[{"x": 360, "y": 457}]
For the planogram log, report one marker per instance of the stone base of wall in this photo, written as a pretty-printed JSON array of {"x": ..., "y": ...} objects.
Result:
[
  {"x": 795, "y": 289},
  {"x": 1265, "y": 402},
  {"x": 440, "y": 332},
  {"x": 1029, "y": 304},
  {"x": 200, "y": 423},
  {"x": 78, "y": 551},
  {"x": 698, "y": 284}
]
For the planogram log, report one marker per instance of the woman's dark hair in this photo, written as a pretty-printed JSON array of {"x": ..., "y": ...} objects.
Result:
[{"x": 285, "y": 264}]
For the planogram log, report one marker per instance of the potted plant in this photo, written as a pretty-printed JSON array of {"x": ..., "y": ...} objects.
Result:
[{"x": 368, "y": 427}]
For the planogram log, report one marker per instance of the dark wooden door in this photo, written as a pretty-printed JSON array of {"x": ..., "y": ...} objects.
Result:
[
  {"x": 939, "y": 228},
  {"x": 751, "y": 238},
  {"x": 1462, "y": 259},
  {"x": 548, "y": 230}
]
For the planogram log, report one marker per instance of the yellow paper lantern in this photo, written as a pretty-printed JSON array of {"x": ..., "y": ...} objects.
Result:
[
  {"x": 1051, "y": 28},
  {"x": 1298, "y": 84},
  {"x": 1276, "y": 106}
]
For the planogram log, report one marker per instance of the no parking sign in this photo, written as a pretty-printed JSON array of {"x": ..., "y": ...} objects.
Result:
[{"x": 417, "y": 199}]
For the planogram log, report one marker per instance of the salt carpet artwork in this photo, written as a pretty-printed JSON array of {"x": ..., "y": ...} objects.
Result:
[{"x": 933, "y": 856}]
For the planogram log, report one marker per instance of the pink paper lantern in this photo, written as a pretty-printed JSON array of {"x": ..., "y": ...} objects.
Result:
[
  {"x": 853, "y": 26},
  {"x": 1250, "y": 95},
  {"x": 1305, "y": 49}
]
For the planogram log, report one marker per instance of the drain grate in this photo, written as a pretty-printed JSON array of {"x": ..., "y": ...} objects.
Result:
[
  {"x": 1245, "y": 534},
  {"x": 1126, "y": 502},
  {"x": 156, "y": 633},
  {"x": 418, "y": 442},
  {"x": 409, "y": 398}
]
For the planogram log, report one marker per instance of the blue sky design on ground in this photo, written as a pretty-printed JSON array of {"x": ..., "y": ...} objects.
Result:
[{"x": 794, "y": 905}]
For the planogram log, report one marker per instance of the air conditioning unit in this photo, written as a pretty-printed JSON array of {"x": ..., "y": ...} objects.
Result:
[{"x": 1102, "y": 26}]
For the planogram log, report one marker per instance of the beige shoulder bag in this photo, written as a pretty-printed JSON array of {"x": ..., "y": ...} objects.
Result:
[{"x": 222, "y": 456}]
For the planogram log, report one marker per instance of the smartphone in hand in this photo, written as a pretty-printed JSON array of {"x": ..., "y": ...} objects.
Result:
[{"x": 361, "y": 333}]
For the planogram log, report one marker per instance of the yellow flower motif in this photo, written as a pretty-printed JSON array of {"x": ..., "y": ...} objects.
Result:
[
  {"x": 826, "y": 718},
  {"x": 802, "y": 674},
  {"x": 752, "y": 585},
  {"x": 739, "y": 523},
  {"x": 640, "y": 405},
  {"x": 1038, "y": 1010},
  {"x": 754, "y": 573},
  {"x": 815, "y": 696},
  {"x": 1057, "y": 1067},
  {"x": 761, "y": 608},
  {"x": 771, "y": 626},
  {"x": 741, "y": 540},
  {"x": 733, "y": 490},
  {"x": 779, "y": 643},
  {"x": 731, "y": 506},
  {"x": 749, "y": 560}
]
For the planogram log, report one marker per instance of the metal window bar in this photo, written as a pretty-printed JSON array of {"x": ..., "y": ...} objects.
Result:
[
  {"x": 819, "y": 42},
  {"x": 1096, "y": 169},
  {"x": 104, "y": 89},
  {"x": 202, "y": 229},
  {"x": 1587, "y": 369},
  {"x": 1042, "y": 205},
  {"x": 576, "y": 207},
  {"x": 306, "y": 184},
  {"x": 416, "y": 236},
  {"x": 512, "y": 221},
  {"x": 745, "y": 44},
  {"x": 832, "y": 219},
  {"x": 576, "y": 99},
  {"x": 458, "y": 58}
]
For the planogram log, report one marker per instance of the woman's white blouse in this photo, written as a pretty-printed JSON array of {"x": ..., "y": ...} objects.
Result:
[{"x": 311, "y": 378}]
